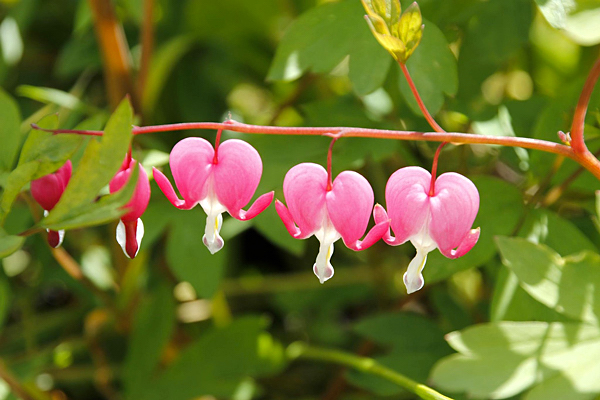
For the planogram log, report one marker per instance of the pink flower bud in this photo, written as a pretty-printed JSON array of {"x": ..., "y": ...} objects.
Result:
[
  {"x": 223, "y": 183},
  {"x": 343, "y": 211},
  {"x": 130, "y": 230},
  {"x": 47, "y": 191},
  {"x": 440, "y": 220}
]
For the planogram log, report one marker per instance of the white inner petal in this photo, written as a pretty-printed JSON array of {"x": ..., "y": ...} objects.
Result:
[
  {"x": 327, "y": 235},
  {"x": 214, "y": 221},
  {"x": 122, "y": 236},
  {"x": 413, "y": 277}
]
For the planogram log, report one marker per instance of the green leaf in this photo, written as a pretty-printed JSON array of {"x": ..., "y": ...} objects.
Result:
[
  {"x": 582, "y": 23},
  {"x": 433, "y": 70},
  {"x": 566, "y": 285},
  {"x": 500, "y": 360},
  {"x": 42, "y": 154},
  {"x": 556, "y": 11},
  {"x": 100, "y": 162},
  {"x": 54, "y": 96},
  {"x": 9, "y": 243},
  {"x": 500, "y": 208},
  {"x": 153, "y": 324},
  {"x": 108, "y": 208},
  {"x": 321, "y": 38},
  {"x": 189, "y": 259},
  {"x": 416, "y": 344},
  {"x": 10, "y": 122},
  {"x": 217, "y": 362}
]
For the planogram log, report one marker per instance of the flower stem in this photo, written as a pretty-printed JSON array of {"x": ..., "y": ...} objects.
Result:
[
  {"x": 299, "y": 350},
  {"x": 217, "y": 142},
  {"x": 329, "y": 161},
  {"x": 415, "y": 93},
  {"x": 577, "y": 140},
  {"x": 434, "y": 168}
]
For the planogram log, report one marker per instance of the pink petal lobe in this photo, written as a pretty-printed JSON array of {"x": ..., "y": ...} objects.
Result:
[
  {"x": 304, "y": 189},
  {"x": 454, "y": 207},
  {"x": 141, "y": 195},
  {"x": 237, "y": 174},
  {"x": 288, "y": 220},
  {"x": 48, "y": 189},
  {"x": 191, "y": 166},
  {"x": 165, "y": 186},
  {"x": 349, "y": 204},
  {"x": 407, "y": 199},
  {"x": 380, "y": 215},
  {"x": 256, "y": 208},
  {"x": 465, "y": 246},
  {"x": 376, "y": 233}
]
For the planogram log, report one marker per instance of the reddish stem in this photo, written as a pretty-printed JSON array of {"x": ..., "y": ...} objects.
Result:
[
  {"x": 415, "y": 93},
  {"x": 329, "y": 157},
  {"x": 577, "y": 140},
  {"x": 587, "y": 161},
  {"x": 217, "y": 142},
  {"x": 434, "y": 168}
]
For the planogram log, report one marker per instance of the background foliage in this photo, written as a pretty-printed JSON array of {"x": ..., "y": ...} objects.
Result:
[{"x": 517, "y": 317}]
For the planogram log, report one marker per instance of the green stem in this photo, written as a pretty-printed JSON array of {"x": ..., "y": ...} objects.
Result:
[{"x": 299, "y": 350}]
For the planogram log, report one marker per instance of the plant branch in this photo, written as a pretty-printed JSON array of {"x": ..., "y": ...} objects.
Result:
[
  {"x": 299, "y": 350},
  {"x": 577, "y": 140},
  {"x": 589, "y": 162},
  {"x": 114, "y": 49},
  {"x": 147, "y": 33}
]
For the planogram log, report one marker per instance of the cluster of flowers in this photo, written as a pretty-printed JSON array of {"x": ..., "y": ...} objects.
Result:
[{"x": 430, "y": 213}]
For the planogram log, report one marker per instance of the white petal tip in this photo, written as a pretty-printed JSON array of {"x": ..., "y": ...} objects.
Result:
[
  {"x": 323, "y": 275},
  {"x": 413, "y": 283},
  {"x": 214, "y": 245}
]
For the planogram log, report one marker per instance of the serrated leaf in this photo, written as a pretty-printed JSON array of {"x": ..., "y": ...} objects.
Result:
[
  {"x": 566, "y": 285},
  {"x": 100, "y": 162},
  {"x": 321, "y": 38},
  {"x": 500, "y": 360}
]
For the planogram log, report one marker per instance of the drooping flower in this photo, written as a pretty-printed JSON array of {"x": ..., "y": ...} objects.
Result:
[
  {"x": 441, "y": 218},
  {"x": 329, "y": 212},
  {"x": 225, "y": 181},
  {"x": 47, "y": 191},
  {"x": 130, "y": 230}
]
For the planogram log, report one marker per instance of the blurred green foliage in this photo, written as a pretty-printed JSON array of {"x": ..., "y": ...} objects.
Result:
[{"x": 517, "y": 317}]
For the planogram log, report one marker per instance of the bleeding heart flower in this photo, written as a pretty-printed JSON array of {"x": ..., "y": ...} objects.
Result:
[
  {"x": 329, "y": 212},
  {"x": 47, "y": 191},
  {"x": 130, "y": 230},
  {"x": 219, "y": 182},
  {"x": 441, "y": 218}
]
